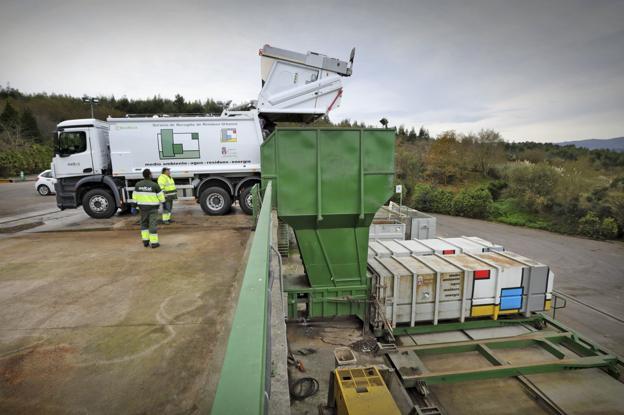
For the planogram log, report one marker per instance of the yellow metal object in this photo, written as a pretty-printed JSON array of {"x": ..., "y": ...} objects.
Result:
[
  {"x": 547, "y": 305},
  {"x": 490, "y": 310},
  {"x": 482, "y": 310},
  {"x": 362, "y": 391}
]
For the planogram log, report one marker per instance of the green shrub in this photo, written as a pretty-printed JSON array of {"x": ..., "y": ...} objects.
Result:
[
  {"x": 590, "y": 225},
  {"x": 609, "y": 228},
  {"x": 29, "y": 159},
  {"x": 430, "y": 199},
  {"x": 496, "y": 188},
  {"x": 473, "y": 203}
]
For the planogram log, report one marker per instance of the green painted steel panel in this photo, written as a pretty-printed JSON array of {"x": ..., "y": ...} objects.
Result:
[
  {"x": 166, "y": 140},
  {"x": 243, "y": 379},
  {"x": 328, "y": 185}
]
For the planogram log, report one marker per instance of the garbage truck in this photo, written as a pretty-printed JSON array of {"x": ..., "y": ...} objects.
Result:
[{"x": 214, "y": 160}]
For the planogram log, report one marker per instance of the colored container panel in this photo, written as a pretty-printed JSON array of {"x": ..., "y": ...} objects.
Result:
[{"x": 511, "y": 299}]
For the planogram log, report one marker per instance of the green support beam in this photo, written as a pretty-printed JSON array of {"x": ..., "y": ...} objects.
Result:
[
  {"x": 568, "y": 349},
  {"x": 243, "y": 381}
]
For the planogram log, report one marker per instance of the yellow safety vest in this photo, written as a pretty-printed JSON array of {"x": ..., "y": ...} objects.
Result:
[
  {"x": 167, "y": 185},
  {"x": 148, "y": 193}
]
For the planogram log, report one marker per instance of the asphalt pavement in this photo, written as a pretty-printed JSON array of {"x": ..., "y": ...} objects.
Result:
[{"x": 21, "y": 197}]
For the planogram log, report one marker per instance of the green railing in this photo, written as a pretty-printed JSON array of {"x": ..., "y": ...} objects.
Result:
[{"x": 243, "y": 385}]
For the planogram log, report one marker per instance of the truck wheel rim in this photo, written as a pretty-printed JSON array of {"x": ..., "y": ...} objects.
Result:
[
  {"x": 249, "y": 201},
  {"x": 216, "y": 201},
  {"x": 98, "y": 204}
]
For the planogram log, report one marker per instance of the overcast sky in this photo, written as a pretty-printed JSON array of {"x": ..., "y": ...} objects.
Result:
[{"x": 537, "y": 70}]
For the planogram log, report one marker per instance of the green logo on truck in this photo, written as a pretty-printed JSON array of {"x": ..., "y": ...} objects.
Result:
[{"x": 177, "y": 145}]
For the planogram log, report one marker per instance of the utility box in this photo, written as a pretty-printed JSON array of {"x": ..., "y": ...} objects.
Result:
[
  {"x": 360, "y": 391},
  {"x": 418, "y": 225}
]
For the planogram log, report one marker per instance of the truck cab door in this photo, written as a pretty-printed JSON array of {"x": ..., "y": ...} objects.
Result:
[{"x": 73, "y": 152}]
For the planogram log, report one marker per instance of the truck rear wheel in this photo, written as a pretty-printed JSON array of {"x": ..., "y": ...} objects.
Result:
[
  {"x": 99, "y": 203},
  {"x": 245, "y": 201},
  {"x": 215, "y": 201}
]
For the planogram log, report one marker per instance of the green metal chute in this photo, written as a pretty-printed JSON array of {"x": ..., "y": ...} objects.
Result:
[{"x": 328, "y": 183}]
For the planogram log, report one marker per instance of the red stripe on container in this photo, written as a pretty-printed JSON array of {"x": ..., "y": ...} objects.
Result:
[{"x": 482, "y": 274}]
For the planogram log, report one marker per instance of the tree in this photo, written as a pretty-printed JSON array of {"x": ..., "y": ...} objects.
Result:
[
  {"x": 490, "y": 150},
  {"x": 10, "y": 126},
  {"x": 443, "y": 160},
  {"x": 28, "y": 125},
  {"x": 423, "y": 134},
  {"x": 9, "y": 119},
  {"x": 178, "y": 103}
]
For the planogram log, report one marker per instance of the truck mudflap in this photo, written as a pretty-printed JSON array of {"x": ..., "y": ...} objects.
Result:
[{"x": 67, "y": 190}]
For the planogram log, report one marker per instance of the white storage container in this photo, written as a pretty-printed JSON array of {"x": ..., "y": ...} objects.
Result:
[{"x": 412, "y": 289}]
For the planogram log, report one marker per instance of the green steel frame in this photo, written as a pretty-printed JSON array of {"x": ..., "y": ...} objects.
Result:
[
  {"x": 569, "y": 349},
  {"x": 243, "y": 384},
  {"x": 487, "y": 322}
]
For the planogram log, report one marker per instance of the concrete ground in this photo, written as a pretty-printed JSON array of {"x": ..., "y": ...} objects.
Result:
[
  {"x": 92, "y": 322},
  {"x": 590, "y": 272},
  {"x": 21, "y": 197}
]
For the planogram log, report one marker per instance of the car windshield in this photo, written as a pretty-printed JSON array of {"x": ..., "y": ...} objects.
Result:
[{"x": 71, "y": 142}]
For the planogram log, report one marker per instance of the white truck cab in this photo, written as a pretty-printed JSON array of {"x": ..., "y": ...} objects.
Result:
[
  {"x": 213, "y": 159},
  {"x": 81, "y": 147}
]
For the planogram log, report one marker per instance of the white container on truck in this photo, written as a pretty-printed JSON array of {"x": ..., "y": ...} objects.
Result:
[{"x": 213, "y": 159}]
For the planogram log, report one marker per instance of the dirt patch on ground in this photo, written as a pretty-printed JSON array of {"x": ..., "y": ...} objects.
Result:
[
  {"x": 92, "y": 322},
  {"x": 19, "y": 228}
]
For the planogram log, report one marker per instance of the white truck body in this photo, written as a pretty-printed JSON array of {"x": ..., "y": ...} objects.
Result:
[{"x": 187, "y": 145}]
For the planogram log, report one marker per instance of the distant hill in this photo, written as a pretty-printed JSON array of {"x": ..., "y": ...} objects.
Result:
[{"x": 615, "y": 144}]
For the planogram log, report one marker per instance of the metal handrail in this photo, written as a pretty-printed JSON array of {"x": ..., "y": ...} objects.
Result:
[{"x": 243, "y": 385}]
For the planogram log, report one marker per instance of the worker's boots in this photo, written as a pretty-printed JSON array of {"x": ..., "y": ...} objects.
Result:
[
  {"x": 146, "y": 244},
  {"x": 156, "y": 245}
]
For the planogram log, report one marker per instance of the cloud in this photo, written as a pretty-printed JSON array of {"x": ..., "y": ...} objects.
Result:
[{"x": 543, "y": 70}]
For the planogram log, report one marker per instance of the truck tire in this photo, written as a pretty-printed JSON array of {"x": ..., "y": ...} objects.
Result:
[
  {"x": 245, "y": 202},
  {"x": 99, "y": 204},
  {"x": 215, "y": 201}
]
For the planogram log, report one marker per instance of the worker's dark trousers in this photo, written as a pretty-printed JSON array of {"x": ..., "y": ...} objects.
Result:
[
  {"x": 167, "y": 208},
  {"x": 149, "y": 221}
]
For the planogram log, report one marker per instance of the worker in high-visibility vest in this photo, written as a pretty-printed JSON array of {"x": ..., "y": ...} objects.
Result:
[
  {"x": 167, "y": 185},
  {"x": 148, "y": 196}
]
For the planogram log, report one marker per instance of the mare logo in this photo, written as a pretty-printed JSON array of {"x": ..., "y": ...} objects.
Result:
[{"x": 177, "y": 145}]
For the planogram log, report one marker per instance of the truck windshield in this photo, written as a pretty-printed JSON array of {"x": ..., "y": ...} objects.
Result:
[{"x": 71, "y": 142}]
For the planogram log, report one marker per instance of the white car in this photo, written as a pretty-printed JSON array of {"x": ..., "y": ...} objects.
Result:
[{"x": 45, "y": 183}]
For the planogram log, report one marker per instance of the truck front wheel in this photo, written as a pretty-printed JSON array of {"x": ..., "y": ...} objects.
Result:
[
  {"x": 215, "y": 201},
  {"x": 99, "y": 203}
]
